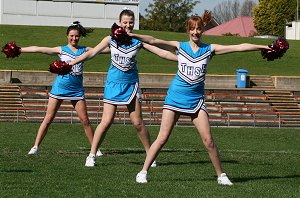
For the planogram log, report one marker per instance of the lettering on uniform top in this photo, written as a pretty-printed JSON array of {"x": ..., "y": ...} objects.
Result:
[
  {"x": 192, "y": 70},
  {"x": 77, "y": 69},
  {"x": 123, "y": 59}
]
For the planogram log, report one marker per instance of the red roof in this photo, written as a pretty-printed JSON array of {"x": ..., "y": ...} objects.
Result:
[{"x": 242, "y": 25}]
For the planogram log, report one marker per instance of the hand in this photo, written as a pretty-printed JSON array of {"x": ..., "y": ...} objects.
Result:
[
  {"x": 60, "y": 67},
  {"x": 11, "y": 50},
  {"x": 120, "y": 35},
  {"x": 276, "y": 49}
]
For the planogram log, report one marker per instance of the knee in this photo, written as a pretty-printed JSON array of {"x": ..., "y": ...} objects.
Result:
[
  {"x": 48, "y": 119},
  {"x": 161, "y": 140},
  {"x": 85, "y": 122},
  {"x": 209, "y": 144},
  {"x": 138, "y": 124},
  {"x": 106, "y": 122}
]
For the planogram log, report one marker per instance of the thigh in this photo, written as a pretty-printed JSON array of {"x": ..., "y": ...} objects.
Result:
[
  {"x": 53, "y": 106},
  {"x": 80, "y": 107},
  {"x": 168, "y": 120},
  {"x": 201, "y": 122},
  {"x": 109, "y": 112},
  {"x": 135, "y": 110}
]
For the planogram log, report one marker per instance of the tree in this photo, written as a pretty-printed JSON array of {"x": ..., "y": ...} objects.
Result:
[
  {"x": 228, "y": 10},
  {"x": 270, "y": 16},
  {"x": 168, "y": 15},
  {"x": 247, "y": 8}
]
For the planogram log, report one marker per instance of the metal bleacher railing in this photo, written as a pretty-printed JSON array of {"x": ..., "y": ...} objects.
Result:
[{"x": 251, "y": 108}]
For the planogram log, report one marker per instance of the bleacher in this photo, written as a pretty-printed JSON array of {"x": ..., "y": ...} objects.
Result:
[{"x": 250, "y": 107}]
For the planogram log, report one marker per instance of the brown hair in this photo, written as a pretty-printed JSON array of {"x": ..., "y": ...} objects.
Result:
[
  {"x": 82, "y": 30},
  {"x": 201, "y": 21},
  {"x": 126, "y": 12}
]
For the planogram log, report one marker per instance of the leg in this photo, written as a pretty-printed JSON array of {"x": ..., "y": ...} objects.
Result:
[
  {"x": 136, "y": 118},
  {"x": 101, "y": 130},
  {"x": 80, "y": 107},
  {"x": 201, "y": 122},
  {"x": 169, "y": 118},
  {"x": 53, "y": 106}
]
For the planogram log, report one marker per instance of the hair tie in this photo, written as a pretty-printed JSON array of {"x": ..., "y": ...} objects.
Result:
[
  {"x": 126, "y": 8},
  {"x": 75, "y": 23}
]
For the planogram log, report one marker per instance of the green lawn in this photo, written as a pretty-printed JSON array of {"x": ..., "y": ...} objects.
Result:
[
  {"x": 261, "y": 162},
  {"x": 223, "y": 64}
]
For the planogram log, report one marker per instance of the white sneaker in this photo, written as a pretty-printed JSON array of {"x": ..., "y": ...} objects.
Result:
[
  {"x": 90, "y": 161},
  {"x": 141, "y": 177},
  {"x": 154, "y": 164},
  {"x": 99, "y": 153},
  {"x": 33, "y": 151},
  {"x": 223, "y": 180}
]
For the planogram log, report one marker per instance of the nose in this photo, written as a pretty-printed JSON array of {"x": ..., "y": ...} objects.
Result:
[{"x": 194, "y": 31}]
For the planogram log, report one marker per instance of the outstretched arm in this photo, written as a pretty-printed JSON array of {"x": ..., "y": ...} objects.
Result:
[
  {"x": 160, "y": 52},
  {"x": 167, "y": 45},
  {"x": 101, "y": 47},
  {"x": 43, "y": 50},
  {"x": 224, "y": 49},
  {"x": 105, "y": 51}
]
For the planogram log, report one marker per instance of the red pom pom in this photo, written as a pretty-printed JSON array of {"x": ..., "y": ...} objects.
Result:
[
  {"x": 11, "y": 50},
  {"x": 60, "y": 67},
  {"x": 120, "y": 35},
  {"x": 276, "y": 49}
]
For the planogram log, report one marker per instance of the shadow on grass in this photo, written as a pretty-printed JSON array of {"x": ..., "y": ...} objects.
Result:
[
  {"x": 246, "y": 179},
  {"x": 126, "y": 151},
  {"x": 172, "y": 163},
  {"x": 16, "y": 171}
]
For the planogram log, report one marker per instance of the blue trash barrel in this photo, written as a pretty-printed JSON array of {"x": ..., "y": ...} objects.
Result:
[{"x": 241, "y": 78}]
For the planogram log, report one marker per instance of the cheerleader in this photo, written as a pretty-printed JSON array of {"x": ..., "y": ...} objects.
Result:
[
  {"x": 122, "y": 83},
  {"x": 186, "y": 92},
  {"x": 65, "y": 87}
]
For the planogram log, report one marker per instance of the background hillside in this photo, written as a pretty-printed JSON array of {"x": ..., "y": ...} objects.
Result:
[{"x": 147, "y": 62}]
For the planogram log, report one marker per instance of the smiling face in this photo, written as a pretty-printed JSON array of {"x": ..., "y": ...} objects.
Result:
[
  {"x": 195, "y": 28},
  {"x": 73, "y": 37},
  {"x": 127, "y": 22}
]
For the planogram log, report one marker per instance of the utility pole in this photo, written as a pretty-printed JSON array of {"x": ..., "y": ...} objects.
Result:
[{"x": 297, "y": 10}]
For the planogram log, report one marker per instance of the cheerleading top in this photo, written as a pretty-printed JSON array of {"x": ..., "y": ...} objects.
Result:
[
  {"x": 69, "y": 86},
  {"x": 123, "y": 67},
  {"x": 122, "y": 81},
  {"x": 186, "y": 91}
]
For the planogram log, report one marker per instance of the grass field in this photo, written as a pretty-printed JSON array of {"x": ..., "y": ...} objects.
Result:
[
  {"x": 147, "y": 62},
  {"x": 261, "y": 162}
]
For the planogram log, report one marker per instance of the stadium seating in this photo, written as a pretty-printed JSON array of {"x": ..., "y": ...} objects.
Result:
[{"x": 227, "y": 107}]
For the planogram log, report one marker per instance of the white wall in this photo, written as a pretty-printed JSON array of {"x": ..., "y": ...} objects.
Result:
[
  {"x": 91, "y": 13},
  {"x": 292, "y": 31}
]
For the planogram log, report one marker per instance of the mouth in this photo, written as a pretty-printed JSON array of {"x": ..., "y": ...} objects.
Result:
[
  {"x": 128, "y": 30},
  {"x": 195, "y": 36}
]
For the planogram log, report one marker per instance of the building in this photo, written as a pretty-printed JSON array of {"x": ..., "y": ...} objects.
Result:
[
  {"x": 292, "y": 30},
  {"x": 91, "y": 13},
  {"x": 240, "y": 26}
]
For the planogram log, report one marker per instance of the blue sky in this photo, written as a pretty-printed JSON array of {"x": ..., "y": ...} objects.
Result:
[{"x": 203, "y": 5}]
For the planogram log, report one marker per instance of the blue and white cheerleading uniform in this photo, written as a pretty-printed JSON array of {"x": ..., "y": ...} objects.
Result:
[
  {"x": 122, "y": 81},
  {"x": 186, "y": 92},
  {"x": 69, "y": 86}
]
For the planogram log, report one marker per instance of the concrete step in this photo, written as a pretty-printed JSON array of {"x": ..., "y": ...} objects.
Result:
[
  {"x": 277, "y": 92},
  {"x": 263, "y": 87}
]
